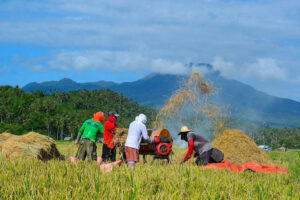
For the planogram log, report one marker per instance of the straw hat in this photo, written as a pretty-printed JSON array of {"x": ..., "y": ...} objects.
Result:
[{"x": 184, "y": 129}]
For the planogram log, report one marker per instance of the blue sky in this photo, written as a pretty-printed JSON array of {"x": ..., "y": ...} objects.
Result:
[{"x": 256, "y": 42}]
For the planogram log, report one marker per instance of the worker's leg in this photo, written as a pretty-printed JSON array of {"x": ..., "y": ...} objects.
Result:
[
  {"x": 94, "y": 154},
  {"x": 89, "y": 150},
  {"x": 105, "y": 153},
  {"x": 204, "y": 157},
  {"x": 131, "y": 164},
  {"x": 81, "y": 152},
  {"x": 132, "y": 156},
  {"x": 217, "y": 156},
  {"x": 112, "y": 156},
  {"x": 123, "y": 154}
]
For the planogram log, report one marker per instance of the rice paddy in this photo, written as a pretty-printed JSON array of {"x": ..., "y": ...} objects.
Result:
[{"x": 33, "y": 179}]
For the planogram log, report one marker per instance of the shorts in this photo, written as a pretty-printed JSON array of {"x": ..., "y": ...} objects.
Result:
[{"x": 132, "y": 154}]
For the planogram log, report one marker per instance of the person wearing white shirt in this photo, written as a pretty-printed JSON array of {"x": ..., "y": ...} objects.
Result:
[{"x": 137, "y": 130}]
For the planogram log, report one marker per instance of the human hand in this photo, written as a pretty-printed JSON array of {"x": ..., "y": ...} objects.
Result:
[{"x": 182, "y": 162}]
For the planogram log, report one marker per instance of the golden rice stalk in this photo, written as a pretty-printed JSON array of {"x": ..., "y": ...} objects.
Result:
[
  {"x": 238, "y": 148},
  {"x": 32, "y": 145}
]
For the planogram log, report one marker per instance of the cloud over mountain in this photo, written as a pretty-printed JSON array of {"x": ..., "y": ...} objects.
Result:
[{"x": 247, "y": 40}]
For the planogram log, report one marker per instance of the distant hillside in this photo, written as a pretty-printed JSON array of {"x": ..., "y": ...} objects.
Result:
[
  {"x": 244, "y": 101},
  {"x": 66, "y": 85},
  {"x": 62, "y": 113}
]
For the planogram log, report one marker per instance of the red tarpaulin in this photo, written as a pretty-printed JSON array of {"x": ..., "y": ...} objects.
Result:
[{"x": 247, "y": 166}]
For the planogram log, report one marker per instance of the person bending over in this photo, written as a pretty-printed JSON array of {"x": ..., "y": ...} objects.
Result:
[
  {"x": 87, "y": 136},
  {"x": 205, "y": 152}
]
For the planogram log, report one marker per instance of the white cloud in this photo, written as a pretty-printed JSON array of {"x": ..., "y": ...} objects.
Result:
[
  {"x": 158, "y": 36},
  {"x": 266, "y": 68},
  {"x": 226, "y": 68},
  {"x": 262, "y": 69},
  {"x": 168, "y": 67},
  {"x": 38, "y": 68},
  {"x": 123, "y": 61},
  {"x": 169, "y": 28},
  {"x": 118, "y": 61}
]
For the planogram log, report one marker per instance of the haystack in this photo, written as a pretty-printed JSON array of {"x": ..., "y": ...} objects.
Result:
[
  {"x": 238, "y": 148},
  {"x": 32, "y": 145},
  {"x": 4, "y": 137}
]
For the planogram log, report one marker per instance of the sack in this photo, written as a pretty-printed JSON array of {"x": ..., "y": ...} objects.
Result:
[{"x": 217, "y": 155}]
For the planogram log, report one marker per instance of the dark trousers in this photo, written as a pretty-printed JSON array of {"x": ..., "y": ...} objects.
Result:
[
  {"x": 87, "y": 148},
  {"x": 210, "y": 156},
  {"x": 108, "y": 154}
]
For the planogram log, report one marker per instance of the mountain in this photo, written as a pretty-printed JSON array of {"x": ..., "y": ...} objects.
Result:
[
  {"x": 244, "y": 101},
  {"x": 66, "y": 85}
]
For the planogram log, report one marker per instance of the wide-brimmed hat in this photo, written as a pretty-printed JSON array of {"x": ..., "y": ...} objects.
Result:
[{"x": 184, "y": 129}]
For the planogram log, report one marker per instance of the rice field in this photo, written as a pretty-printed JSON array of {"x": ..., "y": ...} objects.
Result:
[{"x": 33, "y": 179}]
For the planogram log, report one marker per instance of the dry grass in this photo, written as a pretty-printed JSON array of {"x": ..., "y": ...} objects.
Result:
[
  {"x": 192, "y": 98},
  {"x": 30, "y": 145},
  {"x": 120, "y": 137},
  {"x": 32, "y": 179},
  {"x": 239, "y": 148}
]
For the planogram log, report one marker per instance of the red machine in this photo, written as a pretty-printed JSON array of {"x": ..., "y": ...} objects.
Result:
[{"x": 163, "y": 148}]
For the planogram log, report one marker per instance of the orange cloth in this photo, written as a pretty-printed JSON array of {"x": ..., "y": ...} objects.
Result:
[
  {"x": 99, "y": 117},
  {"x": 109, "y": 127},
  {"x": 247, "y": 166}
]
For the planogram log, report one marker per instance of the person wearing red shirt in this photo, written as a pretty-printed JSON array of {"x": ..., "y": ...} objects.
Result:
[
  {"x": 205, "y": 152},
  {"x": 110, "y": 126}
]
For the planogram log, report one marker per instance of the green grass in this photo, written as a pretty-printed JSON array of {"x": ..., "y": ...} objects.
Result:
[{"x": 32, "y": 179}]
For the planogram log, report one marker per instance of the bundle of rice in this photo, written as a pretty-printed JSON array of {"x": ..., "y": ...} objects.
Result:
[
  {"x": 120, "y": 137},
  {"x": 238, "y": 148},
  {"x": 120, "y": 140},
  {"x": 30, "y": 145}
]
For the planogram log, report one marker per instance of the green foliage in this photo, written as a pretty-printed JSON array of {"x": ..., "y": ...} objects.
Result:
[
  {"x": 61, "y": 114},
  {"x": 274, "y": 137}
]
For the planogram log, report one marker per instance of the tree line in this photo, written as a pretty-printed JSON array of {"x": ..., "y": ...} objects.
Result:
[
  {"x": 60, "y": 114},
  {"x": 278, "y": 137}
]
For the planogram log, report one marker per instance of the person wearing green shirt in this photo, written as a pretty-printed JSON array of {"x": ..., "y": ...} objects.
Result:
[{"x": 87, "y": 137}]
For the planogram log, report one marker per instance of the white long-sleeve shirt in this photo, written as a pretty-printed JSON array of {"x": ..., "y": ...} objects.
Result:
[{"x": 136, "y": 131}]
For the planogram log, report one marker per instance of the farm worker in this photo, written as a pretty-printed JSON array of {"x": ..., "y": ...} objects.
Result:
[
  {"x": 87, "y": 136},
  {"x": 110, "y": 126},
  {"x": 204, "y": 150},
  {"x": 137, "y": 130}
]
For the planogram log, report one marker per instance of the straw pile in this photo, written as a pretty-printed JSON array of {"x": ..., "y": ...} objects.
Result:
[
  {"x": 238, "y": 148},
  {"x": 120, "y": 137},
  {"x": 4, "y": 137},
  {"x": 120, "y": 140},
  {"x": 194, "y": 93},
  {"x": 31, "y": 145}
]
